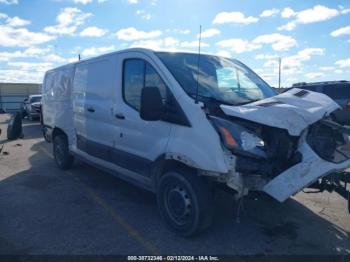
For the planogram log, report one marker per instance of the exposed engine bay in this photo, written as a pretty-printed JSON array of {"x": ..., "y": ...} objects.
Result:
[{"x": 283, "y": 157}]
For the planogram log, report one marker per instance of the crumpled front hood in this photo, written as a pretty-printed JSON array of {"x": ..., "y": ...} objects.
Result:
[{"x": 293, "y": 110}]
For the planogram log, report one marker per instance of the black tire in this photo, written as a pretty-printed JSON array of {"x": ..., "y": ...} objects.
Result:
[
  {"x": 185, "y": 202},
  {"x": 45, "y": 135},
  {"x": 64, "y": 160}
]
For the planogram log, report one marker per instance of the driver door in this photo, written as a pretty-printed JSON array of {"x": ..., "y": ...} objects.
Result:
[{"x": 139, "y": 143}]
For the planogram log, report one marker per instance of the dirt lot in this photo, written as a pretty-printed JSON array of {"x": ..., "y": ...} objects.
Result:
[{"x": 84, "y": 211}]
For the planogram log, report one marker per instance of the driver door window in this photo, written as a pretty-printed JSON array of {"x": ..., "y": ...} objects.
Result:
[{"x": 138, "y": 74}]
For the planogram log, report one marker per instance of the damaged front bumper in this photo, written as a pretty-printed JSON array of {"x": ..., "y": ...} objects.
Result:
[{"x": 323, "y": 153}]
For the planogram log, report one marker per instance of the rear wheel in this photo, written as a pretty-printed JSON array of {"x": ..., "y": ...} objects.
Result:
[
  {"x": 185, "y": 202},
  {"x": 63, "y": 159}
]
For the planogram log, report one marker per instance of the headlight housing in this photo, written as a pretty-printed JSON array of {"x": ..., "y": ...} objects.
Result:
[{"x": 239, "y": 139}]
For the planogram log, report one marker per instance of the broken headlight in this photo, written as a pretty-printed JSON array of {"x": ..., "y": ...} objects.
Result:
[{"x": 238, "y": 139}]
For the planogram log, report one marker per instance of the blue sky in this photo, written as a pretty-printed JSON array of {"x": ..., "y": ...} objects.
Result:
[{"x": 312, "y": 37}]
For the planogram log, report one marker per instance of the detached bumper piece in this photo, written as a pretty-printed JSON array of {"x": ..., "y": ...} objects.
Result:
[
  {"x": 330, "y": 141},
  {"x": 325, "y": 150}
]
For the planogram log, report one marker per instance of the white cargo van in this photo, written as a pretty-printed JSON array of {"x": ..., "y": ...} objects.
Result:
[{"x": 162, "y": 122}]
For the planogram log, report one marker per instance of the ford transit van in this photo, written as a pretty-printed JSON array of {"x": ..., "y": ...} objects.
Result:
[{"x": 180, "y": 124}]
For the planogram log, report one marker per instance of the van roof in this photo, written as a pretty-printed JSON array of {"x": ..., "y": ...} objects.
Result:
[{"x": 144, "y": 50}]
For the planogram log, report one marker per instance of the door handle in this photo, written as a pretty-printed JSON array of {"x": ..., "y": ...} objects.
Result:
[
  {"x": 119, "y": 116},
  {"x": 90, "y": 109}
]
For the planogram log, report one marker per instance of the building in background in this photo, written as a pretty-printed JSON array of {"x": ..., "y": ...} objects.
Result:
[{"x": 13, "y": 94}]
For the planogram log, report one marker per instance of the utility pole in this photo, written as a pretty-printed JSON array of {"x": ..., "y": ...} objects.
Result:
[
  {"x": 279, "y": 72},
  {"x": 79, "y": 57}
]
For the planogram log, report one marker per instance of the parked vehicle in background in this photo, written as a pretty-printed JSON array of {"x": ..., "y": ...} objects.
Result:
[
  {"x": 339, "y": 91},
  {"x": 179, "y": 127},
  {"x": 33, "y": 107}
]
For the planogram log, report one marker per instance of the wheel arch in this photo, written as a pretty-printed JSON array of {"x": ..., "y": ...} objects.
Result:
[
  {"x": 163, "y": 165},
  {"x": 58, "y": 131}
]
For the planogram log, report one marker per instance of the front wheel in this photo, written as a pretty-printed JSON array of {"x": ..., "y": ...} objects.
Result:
[
  {"x": 185, "y": 202},
  {"x": 63, "y": 159}
]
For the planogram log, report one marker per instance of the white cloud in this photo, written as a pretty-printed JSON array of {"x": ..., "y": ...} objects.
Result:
[
  {"x": 316, "y": 14},
  {"x": 269, "y": 12},
  {"x": 265, "y": 56},
  {"x": 84, "y": 2},
  {"x": 21, "y": 37},
  {"x": 29, "y": 66},
  {"x": 345, "y": 11},
  {"x": 132, "y": 34},
  {"x": 16, "y": 21},
  {"x": 327, "y": 68},
  {"x": 193, "y": 44},
  {"x": 184, "y": 31},
  {"x": 133, "y": 1},
  {"x": 20, "y": 76},
  {"x": 297, "y": 60},
  {"x": 168, "y": 44},
  {"x": 29, "y": 72},
  {"x": 341, "y": 31},
  {"x": 68, "y": 21},
  {"x": 178, "y": 31},
  {"x": 293, "y": 64},
  {"x": 156, "y": 44},
  {"x": 29, "y": 52},
  {"x": 313, "y": 75},
  {"x": 288, "y": 12},
  {"x": 338, "y": 71},
  {"x": 238, "y": 45},
  {"x": 171, "y": 42},
  {"x": 345, "y": 63},
  {"x": 54, "y": 58},
  {"x": 278, "y": 42},
  {"x": 223, "y": 53},
  {"x": 9, "y": 2},
  {"x": 210, "y": 33},
  {"x": 287, "y": 27},
  {"x": 93, "y": 51},
  {"x": 93, "y": 31},
  {"x": 143, "y": 14},
  {"x": 234, "y": 17}
]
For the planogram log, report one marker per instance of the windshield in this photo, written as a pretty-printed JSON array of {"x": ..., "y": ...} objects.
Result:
[
  {"x": 35, "y": 99},
  {"x": 225, "y": 80}
]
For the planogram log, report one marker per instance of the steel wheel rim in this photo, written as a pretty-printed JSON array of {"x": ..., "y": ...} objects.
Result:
[{"x": 178, "y": 204}]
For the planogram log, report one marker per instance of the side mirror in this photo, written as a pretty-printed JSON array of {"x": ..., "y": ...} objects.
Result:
[{"x": 152, "y": 108}]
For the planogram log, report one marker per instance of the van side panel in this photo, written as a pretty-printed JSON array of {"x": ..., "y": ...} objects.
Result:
[{"x": 56, "y": 100}]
